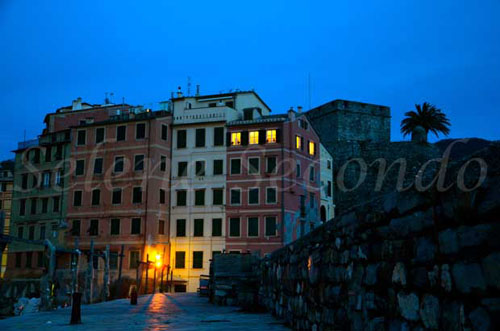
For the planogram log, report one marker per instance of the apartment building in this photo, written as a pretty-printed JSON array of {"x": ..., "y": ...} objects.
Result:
[
  {"x": 198, "y": 182},
  {"x": 272, "y": 182},
  {"x": 6, "y": 187},
  {"x": 119, "y": 188},
  {"x": 327, "y": 209}
]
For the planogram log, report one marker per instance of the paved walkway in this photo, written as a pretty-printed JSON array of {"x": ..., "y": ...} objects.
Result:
[{"x": 177, "y": 311}]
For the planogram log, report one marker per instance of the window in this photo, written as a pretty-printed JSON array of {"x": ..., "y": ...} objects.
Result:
[
  {"x": 303, "y": 124},
  {"x": 311, "y": 173},
  {"x": 45, "y": 205},
  {"x": 94, "y": 228},
  {"x": 29, "y": 259},
  {"x": 271, "y": 165},
  {"x": 180, "y": 260},
  {"x": 161, "y": 227},
  {"x": 22, "y": 207},
  {"x": 235, "y": 166},
  {"x": 96, "y": 197},
  {"x": 48, "y": 154},
  {"x": 19, "y": 257},
  {"x": 33, "y": 206},
  {"x": 56, "y": 203},
  {"x": 197, "y": 259},
  {"x": 134, "y": 259},
  {"x": 20, "y": 232},
  {"x": 162, "y": 196},
  {"x": 270, "y": 226},
  {"x": 58, "y": 177},
  {"x": 216, "y": 227},
  {"x": 75, "y": 228},
  {"x": 270, "y": 136},
  {"x": 34, "y": 181},
  {"x": 234, "y": 227},
  {"x": 200, "y": 138},
  {"x": 140, "y": 131},
  {"x": 118, "y": 164},
  {"x": 99, "y": 135},
  {"x": 136, "y": 226},
  {"x": 59, "y": 152},
  {"x": 253, "y": 226},
  {"x": 117, "y": 196},
  {"x": 42, "y": 232},
  {"x": 198, "y": 227},
  {"x": 81, "y": 137},
  {"x": 235, "y": 196},
  {"x": 271, "y": 195},
  {"x": 181, "y": 197},
  {"x": 77, "y": 198},
  {"x": 217, "y": 196},
  {"x": 230, "y": 104},
  {"x": 312, "y": 148},
  {"x": 182, "y": 169},
  {"x": 253, "y": 196},
  {"x": 328, "y": 164},
  {"x": 137, "y": 195},
  {"x": 24, "y": 181},
  {"x": 39, "y": 259},
  {"x": 253, "y": 138},
  {"x": 31, "y": 232},
  {"x": 98, "y": 166},
  {"x": 181, "y": 138},
  {"x": 212, "y": 104},
  {"x": 199, "y": 197},
  {"x": 253, "y": 165},
  {"x": 164, "y": 132},
  {"x": 311, "y": 200},
  {"x": 36, "y": 156},
  {"x": 163, "y": 163},
  {"x": 200, "y": 168},
  {"x": 181, "y": 228},
  {"x": 138, "y": 162},
  {"x": 115, "y": 226},
  {"x": 113, "y": 260},
  {"x": 235, "y": 138},
  {"x": 121, "y": 132},
  {"x": 219, "y": 136},
  {"x": 298, "y": 142},
  {"x": 218, "y": 167},
  {"x": 297, "y": 170},
  {"x": 329, "y": 189},
  {"x": 80, "y": 167}
]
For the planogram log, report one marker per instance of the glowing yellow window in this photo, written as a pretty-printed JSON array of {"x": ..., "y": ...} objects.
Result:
[
  {"x": 297, "y": 142},
  {"x": 312, "y": 148},
  {"x": 271, "y": 136},
  {"x": 254, "y": 137},
  {"x": 235, "y": 138}
]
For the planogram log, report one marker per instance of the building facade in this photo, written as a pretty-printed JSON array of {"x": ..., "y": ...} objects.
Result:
[
  {"x": 327, "y": 209},
  {"x": 6, "y": 188}
]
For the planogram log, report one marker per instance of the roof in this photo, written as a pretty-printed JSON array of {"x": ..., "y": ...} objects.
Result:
[
  {"x": 93, "y": 107},
  {"x": 127, "y": 118},
  {"x": 264, "y": 119}
]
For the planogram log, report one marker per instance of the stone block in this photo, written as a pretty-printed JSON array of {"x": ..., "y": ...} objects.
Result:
[
  {"x": 399, "y": 274},
  {"x": 452, "y": 316},
  {"x": 480, "y": 319},
  {"x": 371, "y": 274},
  {"x": 411, "y": 224},
  {"x": 448, "y": 242},
  {"x": 491, "y": 268},
  {"x": 425, "y": 250},
  {"x": 470, "y": 236},
  {"x": 468, "y": 277},
  {"x": 408, "y": 306},
  {"x": 430, "y": 311}
]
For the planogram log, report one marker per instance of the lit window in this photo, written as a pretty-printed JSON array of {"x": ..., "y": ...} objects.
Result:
[
  {"x": 235, "y": 138},
  {"x": 312, "y": 148},
  {"x": 271, "y": 136},
  {"x": 297, "y": 142},
  {"x": 254, "y": 137}
]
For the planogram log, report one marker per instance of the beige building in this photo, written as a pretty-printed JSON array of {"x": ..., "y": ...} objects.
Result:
[
  {"x": 327, "y": 209},
  {"x": 6, "y": 187}
]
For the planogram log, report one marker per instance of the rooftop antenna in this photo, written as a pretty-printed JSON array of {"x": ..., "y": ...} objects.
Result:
[
  {"x": 189, "y": 87},
  {"x": 106, "y": 99},
  {"x": 309, "y": 89}
]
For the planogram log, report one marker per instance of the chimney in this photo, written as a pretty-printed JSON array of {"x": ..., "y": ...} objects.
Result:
[
  {"x": 197, "y": 90},
  {"x": 299, "y": 109},
  {"x": 291, "y": 114},
  {"x": 77, "y": 104},
  {"x": 179, "y": 92}
]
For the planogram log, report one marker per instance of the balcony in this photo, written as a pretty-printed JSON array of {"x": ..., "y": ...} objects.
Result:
[{"x": 27, "y": 143}]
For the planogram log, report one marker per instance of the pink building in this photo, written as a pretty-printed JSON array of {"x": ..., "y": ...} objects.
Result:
[{"x": 272, "y": 190}]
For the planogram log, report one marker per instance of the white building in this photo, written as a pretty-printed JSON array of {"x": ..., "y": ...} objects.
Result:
[
  {"x": 327, "y": 209},
  {"x": 198, "y": 178}
]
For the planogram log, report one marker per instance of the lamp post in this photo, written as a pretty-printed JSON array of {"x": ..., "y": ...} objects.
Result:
[{"x": 158, "y": 264}]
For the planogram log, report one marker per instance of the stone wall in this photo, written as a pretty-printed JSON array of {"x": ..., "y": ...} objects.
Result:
[{"x": 402, "y": 261}]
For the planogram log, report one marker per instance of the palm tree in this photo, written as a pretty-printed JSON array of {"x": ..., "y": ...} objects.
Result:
[{"x": 426, "y": 118}]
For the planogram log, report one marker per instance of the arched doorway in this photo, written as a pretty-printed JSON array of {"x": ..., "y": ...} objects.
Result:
[{"x": 323, "y": 213}]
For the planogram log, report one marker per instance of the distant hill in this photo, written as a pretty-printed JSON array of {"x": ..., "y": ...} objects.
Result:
[{"x": 461, "y": 150}]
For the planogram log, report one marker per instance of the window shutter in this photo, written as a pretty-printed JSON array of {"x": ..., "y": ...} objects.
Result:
[
  {"x": 244, "y": 138},
  {"x": 278, "y": 135},
  {"x": 301, "y": 143},
  {"x": 262, "y": 137},
  {"x": 228, "y": 139}
]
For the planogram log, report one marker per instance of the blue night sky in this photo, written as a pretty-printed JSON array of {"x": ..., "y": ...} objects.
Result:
[{"x": 395, "y": 53}]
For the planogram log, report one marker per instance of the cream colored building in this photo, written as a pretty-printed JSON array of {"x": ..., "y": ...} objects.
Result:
[
  {"x": 327, "y": 209},
  {"x": 198, "y": 179}
]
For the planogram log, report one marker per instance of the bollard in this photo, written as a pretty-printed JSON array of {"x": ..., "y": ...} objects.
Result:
[
  {"x": 133, "y": 295},
  {"x": 76, "y": 316}
]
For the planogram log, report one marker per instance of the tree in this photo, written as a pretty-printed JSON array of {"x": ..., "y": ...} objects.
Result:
[{"x": 426, "y": 118}]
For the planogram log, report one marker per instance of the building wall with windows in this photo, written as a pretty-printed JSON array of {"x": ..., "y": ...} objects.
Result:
[
  {"x": 198, "y": 217},
  {"x": 327, "y": 209},
  {"x": 119, "y": 188},
  {"x": 6, "y": 187}
]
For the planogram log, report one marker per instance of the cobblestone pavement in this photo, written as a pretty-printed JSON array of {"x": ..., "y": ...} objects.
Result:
[{"x": 177, "y": 311}]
